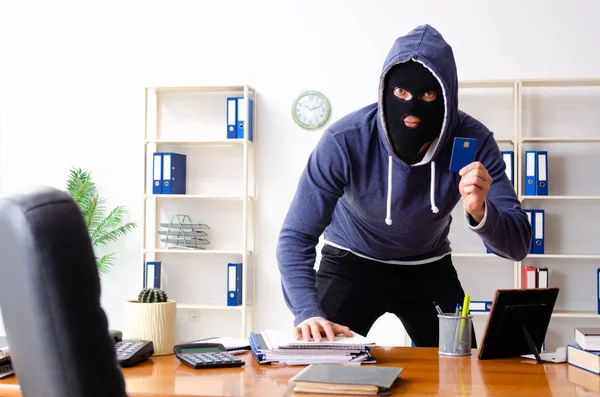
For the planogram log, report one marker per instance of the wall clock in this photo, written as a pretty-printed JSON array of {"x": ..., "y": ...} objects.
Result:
[{"x": 311, "y": 110}]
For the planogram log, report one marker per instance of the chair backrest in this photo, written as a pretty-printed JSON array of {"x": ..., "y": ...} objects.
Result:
[{"x": 50, "y": 299}]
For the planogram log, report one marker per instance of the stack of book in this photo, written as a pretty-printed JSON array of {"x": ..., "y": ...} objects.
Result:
[
  {"x": 585, "y": 352},
  {"x": 6, "y": 367},
  {"x": 280, "y": 347}
]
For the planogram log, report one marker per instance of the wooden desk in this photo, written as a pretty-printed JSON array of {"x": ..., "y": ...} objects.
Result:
[{"x": 424, "y": 374}]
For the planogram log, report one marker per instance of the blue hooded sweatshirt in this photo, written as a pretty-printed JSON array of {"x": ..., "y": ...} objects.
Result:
[{"x": 361, "y": 197}]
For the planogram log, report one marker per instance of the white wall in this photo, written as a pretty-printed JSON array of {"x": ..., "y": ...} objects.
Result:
[{"x": 73, "y": 74}]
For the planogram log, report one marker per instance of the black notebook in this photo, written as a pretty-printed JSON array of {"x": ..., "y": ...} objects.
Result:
[{"x": 345, "y": 379}]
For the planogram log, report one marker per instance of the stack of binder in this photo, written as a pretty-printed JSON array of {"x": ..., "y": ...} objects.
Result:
[
  {"x": 536, "y": 173},
  {"x": 279, "y": 347},
  {"x": 169, "y": 173},
  {"x": 182, "y": 233},
  {"x": 236, "y": 118}
]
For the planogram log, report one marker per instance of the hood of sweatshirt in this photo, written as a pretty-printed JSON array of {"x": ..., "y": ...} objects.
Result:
[{"x": 425, "y": 45}]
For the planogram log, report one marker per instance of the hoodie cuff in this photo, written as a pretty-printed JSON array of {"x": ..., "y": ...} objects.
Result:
[
  {"x": 308, "y": 315},
  {"x": 307, "y": 320},
  {"x": 471, "y": 222}
]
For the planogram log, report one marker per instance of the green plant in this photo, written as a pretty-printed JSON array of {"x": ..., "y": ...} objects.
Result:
[
  {"x": 152, "y": 295},
  {"x": 102, "y": 229}
]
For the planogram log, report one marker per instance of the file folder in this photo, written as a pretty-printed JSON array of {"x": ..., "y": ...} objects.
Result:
[
  {"x": 530, "y": 218},
  {"x": 231, "y": 118},
  {"x": 530, "y": 173},
  {"x": 542, "y": 276},
  {"x": 529, "y": 279},
  {"x": 157, "y": 174},
  {"x": 152, "y": 279},
  {"x": 234, "y": 284},
  {"x": 542, "y": 173},
  {"x": 174, "y": 173},
  {"x": 480, "y": 306},
  {"x": 508, "y": 157},
  {"x": 540, "y": 224},
  {"x": 244, "y": 126}
]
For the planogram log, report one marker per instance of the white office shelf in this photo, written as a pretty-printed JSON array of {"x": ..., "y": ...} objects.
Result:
[
  {"x": 524, "y": 197},
  {"x": 560, "y": 140},
  {"x": 195, "y": 306},
  {"x": 564, "y": 256},
  {"x": 160, "y": 208},
  {"x": 476, "y": 255},
  {"x": 196, "y": 197},
  {"x": 223, "y": 142},
  {"x": 175, "y": 251},
  {"x": 575, "y": 314},
  {"x": 560, "y": 82},
  {"x": 203, "y": 89},
  {"x": 559, "y": 314},
  {"x": 518, "y": 90}
]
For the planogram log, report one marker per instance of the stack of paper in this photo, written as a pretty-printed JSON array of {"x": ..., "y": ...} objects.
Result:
[{"x": 280, "y": 346}]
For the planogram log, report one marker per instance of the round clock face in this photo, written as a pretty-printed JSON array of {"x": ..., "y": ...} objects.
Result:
[{"x": 311, "y": 110}]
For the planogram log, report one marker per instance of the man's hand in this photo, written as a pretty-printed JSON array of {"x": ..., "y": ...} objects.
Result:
[
  {"x": 474, "y": 186},
  {"x": 315, "y": 328}
]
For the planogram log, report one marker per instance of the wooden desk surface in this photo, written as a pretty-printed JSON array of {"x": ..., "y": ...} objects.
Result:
[{"x": 424, "y": 374}]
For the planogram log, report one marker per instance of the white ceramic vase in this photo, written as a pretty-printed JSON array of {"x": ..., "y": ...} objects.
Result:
[{"x": 156, "y": 322}]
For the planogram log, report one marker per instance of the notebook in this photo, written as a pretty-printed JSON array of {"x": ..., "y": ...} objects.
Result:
[{"x": 345, "y": 379}]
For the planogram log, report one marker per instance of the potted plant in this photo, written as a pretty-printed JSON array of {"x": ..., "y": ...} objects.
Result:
[
  {"x": 152, "y": 316},
  {"x": 102, "y": 229}
]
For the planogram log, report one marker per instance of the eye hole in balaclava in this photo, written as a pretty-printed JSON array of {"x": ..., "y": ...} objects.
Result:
[{"x": 413, "y": 107}]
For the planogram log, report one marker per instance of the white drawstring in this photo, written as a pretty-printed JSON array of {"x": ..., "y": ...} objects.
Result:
[
  {"x": 434, "y": 209},
  {"x": 388, "y": 217}
]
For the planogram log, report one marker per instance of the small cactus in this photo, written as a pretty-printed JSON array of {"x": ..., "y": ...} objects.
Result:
[{"x": 152, "y": 295}]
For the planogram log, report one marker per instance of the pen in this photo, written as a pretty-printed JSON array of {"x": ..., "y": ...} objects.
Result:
[
  {"x": 465, "y": 311},
  {"x": 438, "y": 308},
  {"x": 457, "y": 311}
]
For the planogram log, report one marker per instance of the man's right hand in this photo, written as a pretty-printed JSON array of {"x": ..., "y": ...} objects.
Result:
[{"x": 318, "y": 327}]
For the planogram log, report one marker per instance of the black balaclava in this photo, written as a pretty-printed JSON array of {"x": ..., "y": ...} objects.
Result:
[{"x": 417, "y": 79}]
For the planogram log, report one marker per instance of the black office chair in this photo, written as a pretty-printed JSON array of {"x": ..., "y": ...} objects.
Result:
[{"x": 50, "y": 300}]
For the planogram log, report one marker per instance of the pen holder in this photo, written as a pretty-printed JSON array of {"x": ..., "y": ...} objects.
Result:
[{"x": 455, "y": 335}]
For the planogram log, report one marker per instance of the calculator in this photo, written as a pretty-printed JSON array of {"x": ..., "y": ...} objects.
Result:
[
  {"x": 132, "y": 352},
  {"x": 206, "y": 355}
]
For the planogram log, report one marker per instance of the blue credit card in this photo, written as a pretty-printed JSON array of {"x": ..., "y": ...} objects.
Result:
[{"x": 463, "y": 153}]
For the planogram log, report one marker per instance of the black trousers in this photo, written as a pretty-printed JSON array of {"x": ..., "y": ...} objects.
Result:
[{"x": 355, "y": 291}]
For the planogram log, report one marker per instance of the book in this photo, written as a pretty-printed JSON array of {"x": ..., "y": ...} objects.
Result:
[
  {"x": 588, "y": 360},
  {"x": 345, "y": 379},
  {"x": 588, "y": 338}
]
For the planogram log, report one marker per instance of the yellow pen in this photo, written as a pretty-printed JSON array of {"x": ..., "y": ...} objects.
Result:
[
  {"x": 465, "y": 312},
  {"x": 466, "y": 303}
]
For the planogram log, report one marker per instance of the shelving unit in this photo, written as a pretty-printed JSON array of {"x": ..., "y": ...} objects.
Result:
[
  {"x": 220, "y": 186},
  {"x": 519, "y": 141}
]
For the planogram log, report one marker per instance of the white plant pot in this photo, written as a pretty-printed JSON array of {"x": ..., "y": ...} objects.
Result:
[{"x": 156, "y": 322}]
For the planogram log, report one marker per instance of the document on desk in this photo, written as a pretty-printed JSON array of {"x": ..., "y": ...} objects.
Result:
[
  {"x": 559, "y": 356},
  {"x": 233, "y": 345},
  {"x": 280, "y": 346}
]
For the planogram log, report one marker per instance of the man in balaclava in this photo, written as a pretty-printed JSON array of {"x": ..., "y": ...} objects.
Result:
[
  {"x": 413, "y": 109},
  {"x": 379, "y": 190}
]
